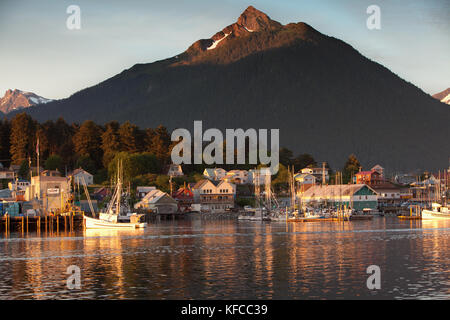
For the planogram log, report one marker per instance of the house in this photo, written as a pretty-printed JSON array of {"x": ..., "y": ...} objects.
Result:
[
  {"x": 18, "y": 184},
  {"x": 185, "y": 198},
  {"x": 319, "y": 173},
  {"x": 369, "y": 177},
  {"x": 80, "y": 174},
  {"x": 378, "y": 169},
  {"x": 305, "y": 180},
  {"x": 6, "y": 173},
  {"x": 100, "y": 193},
  {"x": 214, "y": 196},
  {"x": 175, "y": 170},
  {"x": 214, "y": 173},
  {"x": 356, "y": 196},
  {"x": 158, "y": 201},
  {"x": 237, "y": 176},
  {"x": 142, "y": 191}
]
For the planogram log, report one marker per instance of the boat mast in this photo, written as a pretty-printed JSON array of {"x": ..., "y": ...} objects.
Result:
[{"x": 119, "y": 186}]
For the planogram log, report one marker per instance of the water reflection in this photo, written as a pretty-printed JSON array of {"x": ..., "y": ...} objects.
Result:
[{"x": 197, "y": 259}]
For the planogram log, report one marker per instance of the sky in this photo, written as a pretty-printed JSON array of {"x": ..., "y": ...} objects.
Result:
[{"x": 39, "y": 53}]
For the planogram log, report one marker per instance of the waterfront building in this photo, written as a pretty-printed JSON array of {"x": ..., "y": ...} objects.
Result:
[
  {"x": 51, "y": 189},
  {"x": 356, "y": 196},
  {"x": 80, "y": 174},
  {"x": 388, "y": 193},
  {"x": 214, "y": 196},
  {"x": 185, "y": 198},
  {"x": 158, "y": 201}
]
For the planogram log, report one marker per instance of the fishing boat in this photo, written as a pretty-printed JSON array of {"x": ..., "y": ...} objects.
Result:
[
  {"x": 260, "y": 213},
  {"x": 439, "y": 208},
  {"x": 437, "y": 211},
  {"x": 115, "y": 217}
]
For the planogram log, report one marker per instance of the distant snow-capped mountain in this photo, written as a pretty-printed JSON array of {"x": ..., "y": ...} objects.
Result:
[
  {"x": 443, "y": 96},
  {"x": 18, "y": 99}
]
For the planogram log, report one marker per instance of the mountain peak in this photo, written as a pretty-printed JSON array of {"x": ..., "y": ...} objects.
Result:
[
  {"x": 254, "y": 20},
  {"x": 17, "y": 99},
  {"x": 443, "y": 96}
]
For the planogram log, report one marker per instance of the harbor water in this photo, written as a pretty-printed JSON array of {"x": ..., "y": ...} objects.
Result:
[{"x": 230, "y": 259}]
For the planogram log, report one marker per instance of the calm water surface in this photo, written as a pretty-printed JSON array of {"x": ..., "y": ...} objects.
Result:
[{"x": 228, "y": 259}]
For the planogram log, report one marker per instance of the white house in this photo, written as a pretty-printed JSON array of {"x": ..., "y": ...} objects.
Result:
[
  {"x": 317, "y": 172},
  {"x": 214, "y": 196},
  {"x": 79, "y": 174},
  {"x": 305, "y": 178},
  {"x": 237, "y": 176},
  {"x": 175, "y": 170},
  {"x": 214, "y": 173}
]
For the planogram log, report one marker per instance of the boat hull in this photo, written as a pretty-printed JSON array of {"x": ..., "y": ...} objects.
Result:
[
  {"x": 429, "y": 214},
  {"x": 92, "y": 223}
]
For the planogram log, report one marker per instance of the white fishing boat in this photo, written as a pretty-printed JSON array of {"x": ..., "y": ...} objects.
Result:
[
  {"x": 101, "y": 223},
  {"x": 439, "y": 208},
  {"x": 115, "y": 217},
  {"x": 437, "y": 211}
]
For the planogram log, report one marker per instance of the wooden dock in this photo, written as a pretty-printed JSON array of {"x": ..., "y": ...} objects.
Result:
[
  {"x": 49, "y": 223},
  {"x": 409, "y": 217}
]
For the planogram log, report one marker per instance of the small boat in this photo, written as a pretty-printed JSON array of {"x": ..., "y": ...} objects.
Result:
[
  {"x": 258, "y": 216},
  {"x": 437, "y": 212}
]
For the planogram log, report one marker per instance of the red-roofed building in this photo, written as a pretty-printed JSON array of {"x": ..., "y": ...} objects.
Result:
[
  {"x": 185, "y": 197},
  {"x": 369, "y": 177}
]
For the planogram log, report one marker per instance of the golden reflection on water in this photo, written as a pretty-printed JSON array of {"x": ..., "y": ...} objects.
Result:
[{"x": 230, "y": 259}]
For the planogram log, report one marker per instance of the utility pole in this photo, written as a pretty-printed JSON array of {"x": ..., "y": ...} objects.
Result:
[{"x": 323, "y": 174}]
